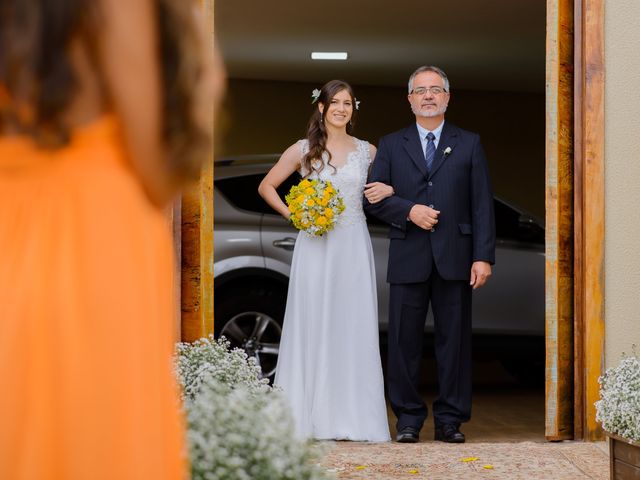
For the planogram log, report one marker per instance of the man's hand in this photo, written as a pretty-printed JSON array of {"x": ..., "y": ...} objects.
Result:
[
  {"x": 423, "y": 216},
  {"x": 480, "y": 273}
]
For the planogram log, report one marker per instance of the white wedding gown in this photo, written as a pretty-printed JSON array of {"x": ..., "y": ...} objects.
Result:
[{"x": 329, "y": 362}]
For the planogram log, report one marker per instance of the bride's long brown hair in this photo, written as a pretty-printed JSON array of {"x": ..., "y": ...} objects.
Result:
[{"x": 317, "y": 132}]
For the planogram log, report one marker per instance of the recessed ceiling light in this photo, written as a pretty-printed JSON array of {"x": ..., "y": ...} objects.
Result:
[{"x": 329, "y": 55}]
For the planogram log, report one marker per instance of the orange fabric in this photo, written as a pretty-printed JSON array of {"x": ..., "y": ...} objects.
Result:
[{"x": 86, "y": 385}]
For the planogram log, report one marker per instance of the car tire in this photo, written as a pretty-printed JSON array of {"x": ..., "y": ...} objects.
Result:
[{"x": 249, "y": 315}]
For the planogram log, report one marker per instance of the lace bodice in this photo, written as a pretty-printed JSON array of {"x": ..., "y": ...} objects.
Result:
[{"x": 349, "y": 180}]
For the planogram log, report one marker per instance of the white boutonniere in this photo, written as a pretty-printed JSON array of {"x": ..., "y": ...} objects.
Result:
[{"x": 447, "y": 151}]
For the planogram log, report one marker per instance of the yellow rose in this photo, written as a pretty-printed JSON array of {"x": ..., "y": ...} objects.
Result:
[
  {"x": 328, "y": 213},
  {"x": 330, "y": 190},
  {"x": 300, "y": 198},
  {"x": 323, "y": 201},
  {"x": 292, "y": 208},
  {"x": 299, "y": 214},
  {"x": 321, "y": 221},
  {"x": 309, "y": 191},
  {"x": 310, "y": 203},
  {"x": 305, "y": 183}
]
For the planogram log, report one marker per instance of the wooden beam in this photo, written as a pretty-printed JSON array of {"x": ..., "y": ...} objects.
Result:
[
  {"x": 592, "y": 152},
  {"x": 559, "y": 222},
  {"x": 197, "y": 244},
  {"x": 175, "y": 216},
  {"x": 578, "y": 219}
]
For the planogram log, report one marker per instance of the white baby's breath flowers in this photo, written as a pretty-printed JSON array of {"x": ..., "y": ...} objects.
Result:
[
  {"x": 234, "y": 434},
  {"x": 238, "y": 426},
  {"x": 206, "y": 356},
  {"x": 618, "y": 409}
]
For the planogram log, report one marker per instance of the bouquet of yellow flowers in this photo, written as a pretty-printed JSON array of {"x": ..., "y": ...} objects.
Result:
[{"x": 314, "y": 206}]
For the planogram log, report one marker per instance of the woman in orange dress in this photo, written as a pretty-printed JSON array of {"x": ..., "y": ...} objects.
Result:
[{"x": 101, "y": 120}]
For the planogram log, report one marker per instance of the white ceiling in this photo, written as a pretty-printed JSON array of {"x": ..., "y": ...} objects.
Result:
[{"x": 481, "y": 44}]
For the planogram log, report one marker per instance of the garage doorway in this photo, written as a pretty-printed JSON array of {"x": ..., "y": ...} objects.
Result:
[{"x": 570, "y": 378}]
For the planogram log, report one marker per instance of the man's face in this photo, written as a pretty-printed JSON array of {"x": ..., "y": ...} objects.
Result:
[{"x": 424, "y": 102}]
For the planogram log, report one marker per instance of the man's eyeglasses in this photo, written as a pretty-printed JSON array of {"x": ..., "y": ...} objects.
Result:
[{"x": 423, "y": 90}]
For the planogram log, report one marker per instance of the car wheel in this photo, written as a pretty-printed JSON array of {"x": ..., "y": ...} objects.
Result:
[{"x": 251, "y": 319}]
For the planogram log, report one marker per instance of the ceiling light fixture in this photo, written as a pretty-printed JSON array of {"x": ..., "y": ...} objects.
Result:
[{"x": 329, "y": 55}]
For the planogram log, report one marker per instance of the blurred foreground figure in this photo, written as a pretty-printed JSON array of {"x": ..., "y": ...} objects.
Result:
[{"x": 105, "y": 111}]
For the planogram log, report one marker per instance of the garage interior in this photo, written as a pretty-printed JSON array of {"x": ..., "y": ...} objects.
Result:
[{"x": 494, "y": 55}]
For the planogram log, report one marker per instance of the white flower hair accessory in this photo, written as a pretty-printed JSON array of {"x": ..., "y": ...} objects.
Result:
[
  {"x": 315, "y": 95},
  {"x": 447, "y": 151}
]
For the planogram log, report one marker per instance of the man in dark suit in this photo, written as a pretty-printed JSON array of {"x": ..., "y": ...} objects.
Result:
[{"x": 442, "y": 233}]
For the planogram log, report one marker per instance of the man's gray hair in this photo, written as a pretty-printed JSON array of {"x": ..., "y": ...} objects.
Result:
[{"x": 429, "y": 68}]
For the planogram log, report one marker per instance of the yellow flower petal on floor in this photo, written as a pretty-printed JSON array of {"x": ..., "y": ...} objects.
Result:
[
  {"x": 469, "y": 459},
  {"x": 488, "y": 467},
  {"x": 413, "y": 472},
  {"x": 361, "y": 467}
]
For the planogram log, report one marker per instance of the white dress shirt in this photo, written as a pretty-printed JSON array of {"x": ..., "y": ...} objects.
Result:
[{"x": 423, "y": 135}]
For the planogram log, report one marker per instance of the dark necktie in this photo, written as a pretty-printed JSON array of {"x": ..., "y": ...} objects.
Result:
[{"x": 430, "y": 151}]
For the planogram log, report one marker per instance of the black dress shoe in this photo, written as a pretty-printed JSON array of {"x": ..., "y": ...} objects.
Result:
[
  {"x": 407, "y": 435},
  {"x": 449, "y": 433}
]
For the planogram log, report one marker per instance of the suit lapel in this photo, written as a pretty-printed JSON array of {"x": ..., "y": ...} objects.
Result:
[
  {"x": 448, "y": 138},
  {"x": 414, "y": 148}
]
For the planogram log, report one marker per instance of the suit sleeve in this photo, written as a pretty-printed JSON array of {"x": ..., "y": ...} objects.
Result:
[
  {"x": 393, "y": 210},
  {"x": 483, "y": 217}
]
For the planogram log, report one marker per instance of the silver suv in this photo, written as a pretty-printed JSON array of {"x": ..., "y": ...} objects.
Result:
[{"x": 253, "y": 250}]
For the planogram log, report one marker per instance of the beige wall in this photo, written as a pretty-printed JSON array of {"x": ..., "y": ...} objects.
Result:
[
  {"x": 266, "y": 117},
  {"x": 622, "y": 178}
]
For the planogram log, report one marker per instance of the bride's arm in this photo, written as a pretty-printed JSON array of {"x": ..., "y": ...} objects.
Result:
[
  {"x": 284, "y": 167},
  {"x": 376, "y": 191}
]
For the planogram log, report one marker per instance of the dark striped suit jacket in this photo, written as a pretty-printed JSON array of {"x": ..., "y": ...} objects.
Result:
[{"x": 458, "y": 186}]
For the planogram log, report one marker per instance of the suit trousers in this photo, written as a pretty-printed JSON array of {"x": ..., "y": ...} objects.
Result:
[{"x": 408, "y": 306}]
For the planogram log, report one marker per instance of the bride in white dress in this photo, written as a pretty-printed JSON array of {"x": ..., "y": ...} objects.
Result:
[{"x": 329, "y": 361}]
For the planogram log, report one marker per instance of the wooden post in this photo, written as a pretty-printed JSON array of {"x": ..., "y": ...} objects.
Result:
[
  {"x": 590, "y": 155},
  {"x": 197, "y": 244},
  {"x": 559, "y": 222}
]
